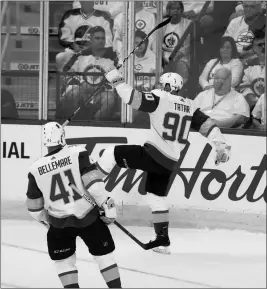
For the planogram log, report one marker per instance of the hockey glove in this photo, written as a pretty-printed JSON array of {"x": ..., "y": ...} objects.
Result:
[
  {"x": 109, "y": 213},
  {"x": 223, "y": 153}
]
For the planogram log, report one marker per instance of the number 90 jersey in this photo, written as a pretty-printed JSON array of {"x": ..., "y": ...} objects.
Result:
[
  {"x": 49, "y": 178},
  {"x": 171, "y": 118}
]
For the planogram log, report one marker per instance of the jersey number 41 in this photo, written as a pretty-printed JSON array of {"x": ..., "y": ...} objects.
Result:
[{"x": 57, "y": 182}]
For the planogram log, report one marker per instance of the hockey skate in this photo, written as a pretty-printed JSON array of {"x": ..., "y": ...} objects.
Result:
[{"x": 163, "y": 245}]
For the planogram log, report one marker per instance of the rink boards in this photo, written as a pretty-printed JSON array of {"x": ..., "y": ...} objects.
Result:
[{"x": 232, "y": 195}]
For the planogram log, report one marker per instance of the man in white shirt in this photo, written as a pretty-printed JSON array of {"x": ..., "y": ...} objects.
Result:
[
  {"x": 242, "y": 28},
  {"x": 224, "y": 105}
]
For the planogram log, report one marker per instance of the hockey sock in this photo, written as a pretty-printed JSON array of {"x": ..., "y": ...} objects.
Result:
[
  {"x": 161, "y": 222},
  {"x": 111, "y": 276},
  {"x": 69, "y": 279},
  {"x": 67, "y": 272},
  {"x": 109, "y": 270}
]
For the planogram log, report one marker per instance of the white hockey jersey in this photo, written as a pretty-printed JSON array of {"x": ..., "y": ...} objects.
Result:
[
  {"x": 171, "y": 118},
  {"x": 239, "y": 30},
  {"x": 111, "y": 7},
  {"x": 74, "y": 19},
  {"x": 172, "y": 34},
  {"x": 49, "y": 178},
  {"x": 254, "y": 78}
]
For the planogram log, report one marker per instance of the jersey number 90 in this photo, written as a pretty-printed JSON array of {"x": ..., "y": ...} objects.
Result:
[
  {"x": 57, "y": 182},
  {"x": 171, "y": 123}
]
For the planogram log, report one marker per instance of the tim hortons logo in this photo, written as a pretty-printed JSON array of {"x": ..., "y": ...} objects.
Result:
[{"x": 228, "y": 184}]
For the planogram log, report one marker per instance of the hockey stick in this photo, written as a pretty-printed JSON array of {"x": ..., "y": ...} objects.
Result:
[
  {"x": 118, "y": 67},
  {"x": 145, "y": 246}
]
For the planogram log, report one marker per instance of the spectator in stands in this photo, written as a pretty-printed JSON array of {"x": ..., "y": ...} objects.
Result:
[
  {"x": 144, "y": 62},
  {"x": 111, "y": 8},
  {"x": 210, "y": 30},
  {"x": 239, "y": 11},
  {"x": 227, "y": 57},
  {"x": 254, "y": 75},
  {"x": 90, "y": 60},
  {"x": 144, "y": 21},
  {"x": 192, "y": 10},
  {"x": 259, "y": 113},
  {"x": 223, "y": 104},
  {"x": 73, "y": 19},
  {"x": 243, "y": 27},
  {"x": 173, "y": 32},
  {"x": 8, "y": 105}
]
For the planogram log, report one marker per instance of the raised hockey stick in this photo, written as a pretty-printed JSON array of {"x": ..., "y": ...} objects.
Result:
[
  {"x": 118, "y": 67},
  {"x": 145, "y": 246}
]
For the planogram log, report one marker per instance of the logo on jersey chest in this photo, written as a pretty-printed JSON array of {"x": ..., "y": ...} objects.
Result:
[
  {"x": 258, "y": 86},
  {"x": 171, "y": 40},
  {"x": 140, "y": 24},
  {"x": 245, "y": 38},
  {"x": 96, "y": 77}
]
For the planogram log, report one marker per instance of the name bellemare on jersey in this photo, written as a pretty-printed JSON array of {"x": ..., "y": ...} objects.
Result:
[{"x": 52, "y": 174}]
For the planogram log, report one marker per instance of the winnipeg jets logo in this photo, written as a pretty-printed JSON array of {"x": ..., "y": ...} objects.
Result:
[
  {"x": 258, "y": 86},
  {"x": 171, "y": 40},
  {"x": 140, "y": 24},
  {"x": 245, "y": 38}
]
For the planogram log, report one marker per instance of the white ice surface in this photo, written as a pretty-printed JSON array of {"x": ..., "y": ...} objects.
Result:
[{"x": 199, "y": 259}]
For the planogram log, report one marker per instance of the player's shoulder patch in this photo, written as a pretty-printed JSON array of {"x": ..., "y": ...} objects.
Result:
[
  {"x": 77, "y": 148},
  {"x": 157, "y": 92}
]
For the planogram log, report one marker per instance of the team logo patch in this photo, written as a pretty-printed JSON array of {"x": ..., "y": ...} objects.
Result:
[
  {"x": 138, "y": 67},
  {"x": 93, "y": 79},
  {"x": 171, "y": 40},
  {"x": 258, "y": 86},
  {"x": 140, "y": 24},
  {"x": 245, "y": 38}
]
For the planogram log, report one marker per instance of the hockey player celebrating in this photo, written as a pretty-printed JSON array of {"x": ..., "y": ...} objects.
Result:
[
  {"x": 51, "y": 201},
  {"x": 171, "y": 117}
]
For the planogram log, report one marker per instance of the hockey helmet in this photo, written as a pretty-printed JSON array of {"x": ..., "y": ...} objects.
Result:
[
  {"x": 53, "y": 134},
  {"x": 170, "y": 82}
]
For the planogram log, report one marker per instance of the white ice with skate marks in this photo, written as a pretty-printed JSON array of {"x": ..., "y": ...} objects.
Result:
[{"x": 199, "y": 259}]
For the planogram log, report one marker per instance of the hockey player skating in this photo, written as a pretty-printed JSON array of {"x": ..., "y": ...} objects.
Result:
[
  {"x": 51, "y": 201},
  {"x": 171, "y": 117}
]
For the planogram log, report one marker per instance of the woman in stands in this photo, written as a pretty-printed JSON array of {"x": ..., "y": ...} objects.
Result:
[{"x": 227, "y": 57}]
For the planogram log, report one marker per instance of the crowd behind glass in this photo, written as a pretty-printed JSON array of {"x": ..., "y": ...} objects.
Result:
[{"x": 220, "y": 55}]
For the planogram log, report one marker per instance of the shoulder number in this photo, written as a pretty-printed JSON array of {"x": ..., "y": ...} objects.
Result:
[
  {"x": 57, "y": 183},
  {"x": 171, "y": 123}
]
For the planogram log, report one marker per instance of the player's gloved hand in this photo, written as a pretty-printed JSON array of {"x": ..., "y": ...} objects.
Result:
[
  {"x": 109, "y": 213},
  {"x": 223, "y": 153},
  {"x": 113, "y": 76}
]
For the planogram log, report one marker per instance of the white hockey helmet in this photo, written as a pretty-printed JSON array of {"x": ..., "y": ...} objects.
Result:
[
  {"x": 173, "y": 80},
  {"x": 53, "y": 134}
]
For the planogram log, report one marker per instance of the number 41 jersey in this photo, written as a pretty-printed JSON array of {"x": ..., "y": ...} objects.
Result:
[
  {"x": 49, "y": 179},
  {"x": 171, "y": 118}
]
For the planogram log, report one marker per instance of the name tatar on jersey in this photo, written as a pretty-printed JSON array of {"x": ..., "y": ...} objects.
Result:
[{"x": 182, "y": 107}]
